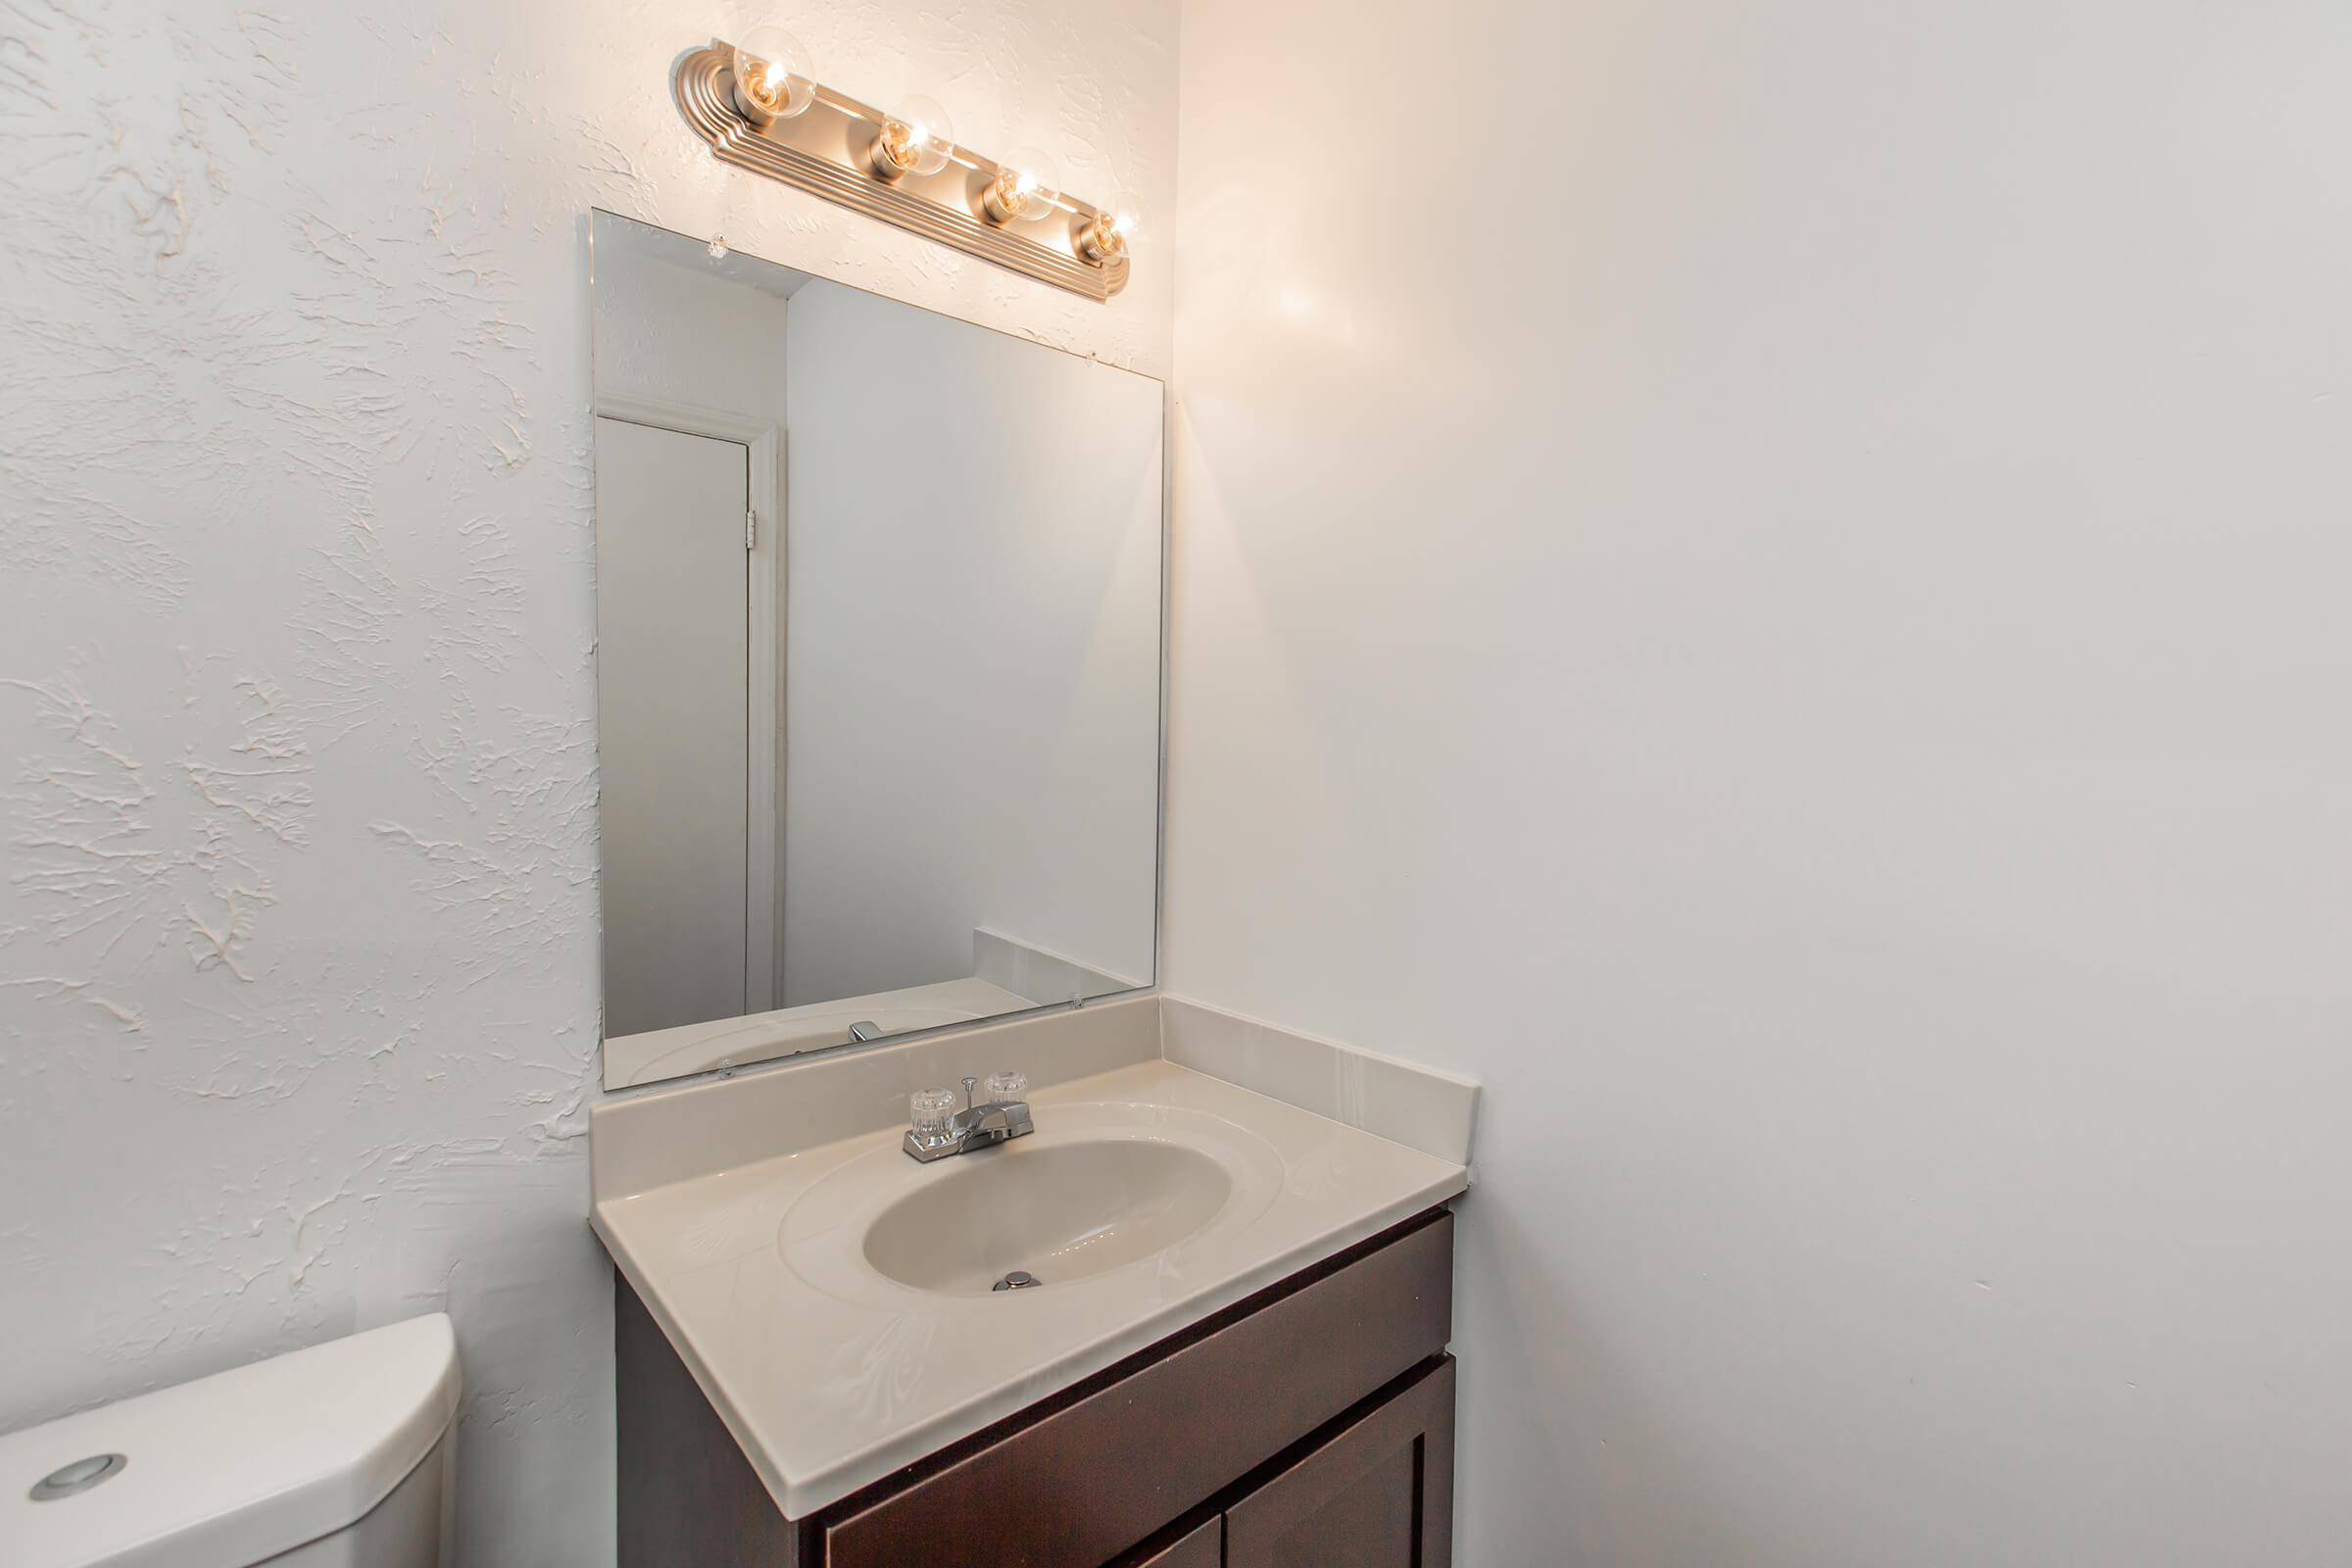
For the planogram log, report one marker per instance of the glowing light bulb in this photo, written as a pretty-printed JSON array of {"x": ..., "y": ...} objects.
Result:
[
  {"x": 1103, "y": 236},
  {"x": 1024, "y": 187},
  {"x": 772, "y": 76},
  {"x": 915, "y": 139}
]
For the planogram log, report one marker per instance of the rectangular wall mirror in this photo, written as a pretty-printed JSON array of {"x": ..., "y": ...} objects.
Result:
[{"x": 879, "y": 663}]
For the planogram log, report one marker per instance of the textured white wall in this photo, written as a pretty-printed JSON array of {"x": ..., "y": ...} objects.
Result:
[
  {"x": 298, "y": 921},
  {"x": 1799, "y": 632}
]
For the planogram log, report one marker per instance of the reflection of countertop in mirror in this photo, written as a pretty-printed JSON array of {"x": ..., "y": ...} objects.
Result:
[
  {"x": 692, "y": 1048},
  {"x": 829, "y": 1296}
]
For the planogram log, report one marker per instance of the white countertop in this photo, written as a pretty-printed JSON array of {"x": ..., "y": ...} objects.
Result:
[{"x": 831, "y": 1376}]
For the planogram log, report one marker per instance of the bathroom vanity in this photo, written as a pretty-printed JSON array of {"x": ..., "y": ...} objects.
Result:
[
  {"x": 1311, "y": 1424},
  {"x": 1236, "y": 1350}
]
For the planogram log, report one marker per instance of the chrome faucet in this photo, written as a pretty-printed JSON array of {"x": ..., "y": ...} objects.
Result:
[
  {"x": 862, "y": 1030},
  {"x": 940, "y": 1130}
]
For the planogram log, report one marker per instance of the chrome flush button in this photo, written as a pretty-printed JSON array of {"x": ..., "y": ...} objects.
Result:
[{"x": 79, "y": 1476}]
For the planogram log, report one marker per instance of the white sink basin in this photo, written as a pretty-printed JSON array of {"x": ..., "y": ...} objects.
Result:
[
  {"x": 1104, "y": 1189},
  {"x": 1057, "y": 1211}
]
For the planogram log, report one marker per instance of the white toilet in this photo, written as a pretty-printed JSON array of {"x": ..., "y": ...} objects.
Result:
[{"x": 338, "y": 1456}]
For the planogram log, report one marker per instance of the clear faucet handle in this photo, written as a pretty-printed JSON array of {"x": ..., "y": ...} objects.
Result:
[
  {"x": 1007, "y": 1085},
  {"x": 929, "y": 1109}
]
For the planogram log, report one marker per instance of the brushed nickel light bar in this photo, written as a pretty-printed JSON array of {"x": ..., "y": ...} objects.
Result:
[{"x": 758, "y": 107}]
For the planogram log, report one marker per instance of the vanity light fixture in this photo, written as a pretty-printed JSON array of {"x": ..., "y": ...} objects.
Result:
[{"x": 758, "y": 106}]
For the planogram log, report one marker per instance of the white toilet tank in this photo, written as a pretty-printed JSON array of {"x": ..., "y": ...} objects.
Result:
[{"x": 338, "y": 1456}]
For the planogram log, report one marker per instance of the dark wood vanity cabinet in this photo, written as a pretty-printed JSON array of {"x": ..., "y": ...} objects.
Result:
[{"x": 1311, "y": 1426}]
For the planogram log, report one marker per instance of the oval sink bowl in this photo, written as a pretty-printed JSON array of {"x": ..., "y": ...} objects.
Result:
[{"x": 1060, "y": 1211}]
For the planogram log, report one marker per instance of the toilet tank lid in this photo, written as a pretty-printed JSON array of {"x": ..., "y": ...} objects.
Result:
[{"x": 235, "y": 1468}]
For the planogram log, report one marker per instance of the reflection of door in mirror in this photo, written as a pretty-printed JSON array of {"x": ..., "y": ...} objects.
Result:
[{"x": 672, "y": 664}]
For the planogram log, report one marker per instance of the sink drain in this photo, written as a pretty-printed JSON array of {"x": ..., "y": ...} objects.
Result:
[{"x": 1020, "y": 1279}]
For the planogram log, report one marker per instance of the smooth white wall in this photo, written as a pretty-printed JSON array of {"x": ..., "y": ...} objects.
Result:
[
  {"x": 298, "y": 912},
  {"x": 1772, "y": 584},
  {"x": 972, "y": 650}
]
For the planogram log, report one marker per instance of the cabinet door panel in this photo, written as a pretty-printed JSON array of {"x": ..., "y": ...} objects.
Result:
[{"x": 1378, "y": 1494}]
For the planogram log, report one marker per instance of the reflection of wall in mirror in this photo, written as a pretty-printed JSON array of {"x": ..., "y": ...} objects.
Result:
[
  {"x": 973, "y": 650},
  {"x": 672, "y": 327}
]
